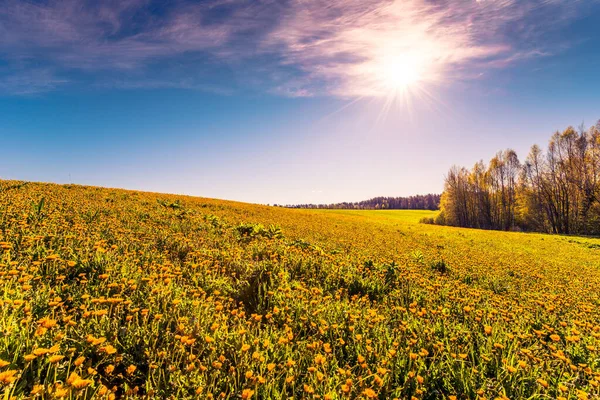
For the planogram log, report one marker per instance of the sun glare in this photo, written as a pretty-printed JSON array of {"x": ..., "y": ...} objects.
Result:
[
  {"x": 398, "y": 78},
  {"x": 398, "y": 73},
  {"x": 394, "y": 77},
  {"x": 393, "y": 80}
]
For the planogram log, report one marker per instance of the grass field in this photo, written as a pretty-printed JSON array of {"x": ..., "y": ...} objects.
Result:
[
  {"x": 389, "y": 216},
  {"x": 111, "y": 293}
]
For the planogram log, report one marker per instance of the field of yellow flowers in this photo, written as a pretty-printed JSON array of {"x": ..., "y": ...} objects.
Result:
[{"x": 115, "y": 294}]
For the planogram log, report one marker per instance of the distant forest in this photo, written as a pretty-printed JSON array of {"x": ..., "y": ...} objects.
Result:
[
  {"x": 418, "y": 202},
  {"x": 554, "y": 191}
]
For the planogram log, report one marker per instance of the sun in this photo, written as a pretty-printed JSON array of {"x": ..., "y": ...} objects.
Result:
[
  {"x": 398, "y": 73},
  {"x": 394, "y": 80},
  {"x": 398, "y": 78}
]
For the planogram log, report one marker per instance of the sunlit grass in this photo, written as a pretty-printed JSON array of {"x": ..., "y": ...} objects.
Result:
[
  {"x": 391, "y": 216},
  {"x": 109, "y": 293}
]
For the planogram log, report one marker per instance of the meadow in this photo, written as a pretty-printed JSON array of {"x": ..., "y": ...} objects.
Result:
[{"x": 110, "y": 293}]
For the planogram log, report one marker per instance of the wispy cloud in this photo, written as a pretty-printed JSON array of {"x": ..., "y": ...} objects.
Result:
[
  {"x": 294, "y": 47},
  {"x": 345, "y": 44},
  {"x": 119, "y": 41},
  {"x": 30, "y": 81},
  {"x": 113, "y": 34}
]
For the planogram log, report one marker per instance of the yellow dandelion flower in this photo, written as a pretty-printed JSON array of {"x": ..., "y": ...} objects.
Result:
[
  {"x": 55, "y": 358},
  {"x": 40, "y": 351},
  {"x": 72, "y": 378},
  {"x": 308, "y": 389},
  {"x": 562, "y": 387},
  {"x": 81, "y": 383},
  {"x": 37, "y": 390},
  {"x": 47, "y": 322},
  {"x": 320, "y": 359},
  {"x": 8, "y": 377},
  {"x": 108, "y": 349},
  {"x": 61, "y": 392},
  {"x": 542, "y": 382}
]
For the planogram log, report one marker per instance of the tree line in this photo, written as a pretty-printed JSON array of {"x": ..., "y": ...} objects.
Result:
[
  {"x": 417, "y": 202},
  {"x": 554, "y": 191}
]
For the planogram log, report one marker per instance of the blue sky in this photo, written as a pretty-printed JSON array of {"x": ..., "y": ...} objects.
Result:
[{"x": 288, "y": 101}]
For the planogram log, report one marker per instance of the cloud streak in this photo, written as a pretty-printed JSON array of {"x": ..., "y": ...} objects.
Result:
[
  {"x": 292, "y": 47},
  {"x": 344, "y": 44},
  {"x": 114, "y": 35}
]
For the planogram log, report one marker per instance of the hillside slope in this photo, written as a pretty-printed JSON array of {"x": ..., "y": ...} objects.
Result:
[{"x": 110, "y": 292}]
